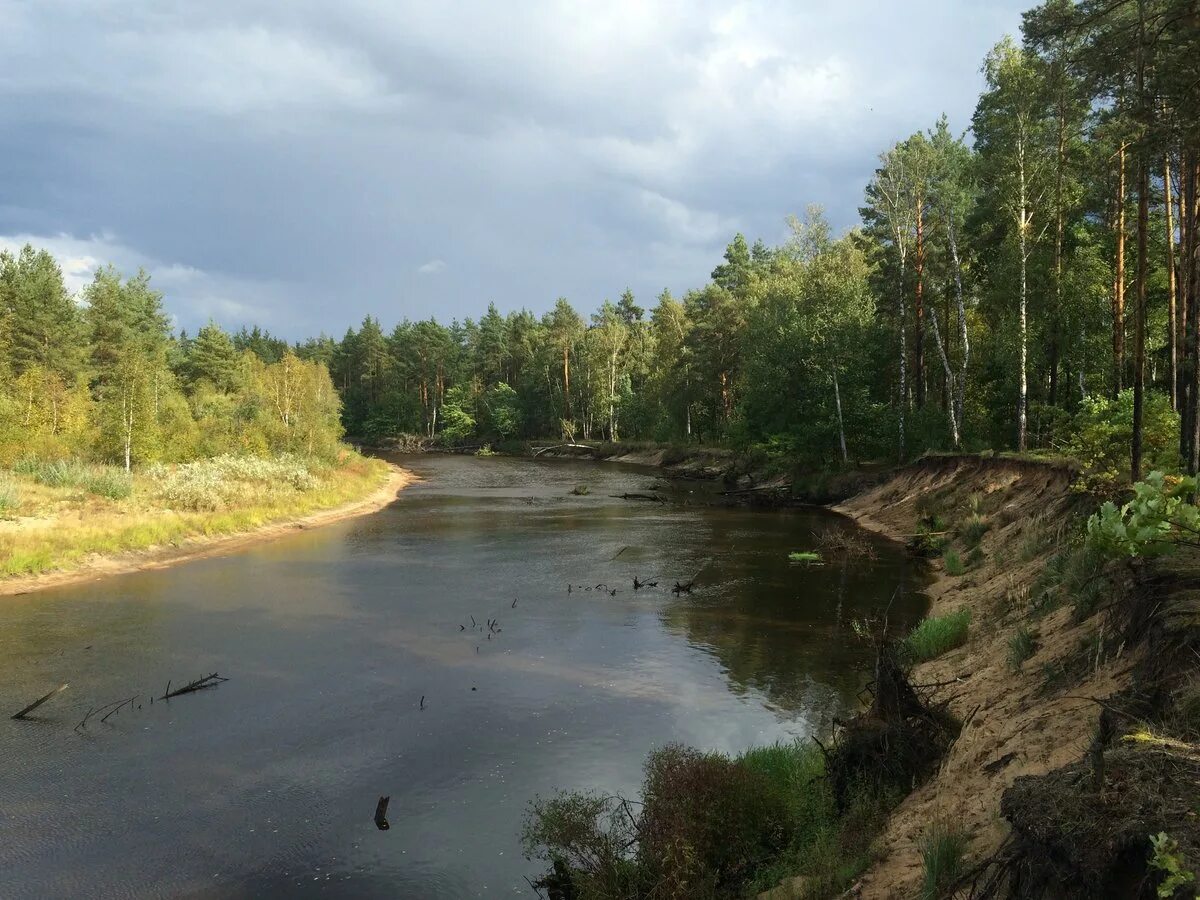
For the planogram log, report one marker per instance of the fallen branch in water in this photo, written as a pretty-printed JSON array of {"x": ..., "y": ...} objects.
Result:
[
  {"x": 36, "y": 703},
  {"x": 198, "y": 685},
  {"x": 650, "y": 497}
]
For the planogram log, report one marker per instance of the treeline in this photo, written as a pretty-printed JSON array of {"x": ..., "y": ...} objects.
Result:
[
  {"x": 996, "y": 292},
  {"x": 106, "y": 379},
  {"x": 1034, "y": 284}
]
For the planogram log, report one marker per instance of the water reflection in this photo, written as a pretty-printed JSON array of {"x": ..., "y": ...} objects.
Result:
[{"x": 266, "y": 786}]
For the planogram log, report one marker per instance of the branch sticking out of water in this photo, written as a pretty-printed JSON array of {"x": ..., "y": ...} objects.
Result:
[{"x": 192, "y": 686}]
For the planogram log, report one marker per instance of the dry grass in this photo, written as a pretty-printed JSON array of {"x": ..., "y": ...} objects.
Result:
[{"x": 58, "y": 527}]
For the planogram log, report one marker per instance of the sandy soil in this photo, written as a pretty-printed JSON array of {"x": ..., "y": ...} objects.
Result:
[
  {"x": 1014, "y": 726},
  {"x": 101, "y": 566}
]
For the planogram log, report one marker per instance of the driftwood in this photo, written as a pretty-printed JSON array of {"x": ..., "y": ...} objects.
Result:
[
  {"x": 650, "y": 497},
  {"x": 381, "y": 821},
  {"x": 538, "y": 451},
  {"x": 192, "y": 686},
  {"x": 36, "y": 703}
]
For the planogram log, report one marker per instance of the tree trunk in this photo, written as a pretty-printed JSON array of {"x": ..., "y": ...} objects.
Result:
[
  {"x": 1023, "y": 235},
  {"x": 903, "y": 348},
  {"x": 1172, "y": 297},
  {"x": 919, "y": 309},
  {"x": 1139, "y": 338},
  {"x": 1143, "y": 229},
  {"x": 1118, "y": 303},
  {"x": 1191, "y": 177},
  {"x": 837, "y": 400},
  {"x": 566, "y": 383}
]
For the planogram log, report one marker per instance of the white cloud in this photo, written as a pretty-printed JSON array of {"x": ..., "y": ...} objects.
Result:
[
  {"x": 432, "y": 267},
  {"x": 191, "y": 295}
]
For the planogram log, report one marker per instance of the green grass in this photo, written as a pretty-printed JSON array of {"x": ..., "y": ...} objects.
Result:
[
  {"x": 804, "y": 556},
  {"x": 1021, "y": 646},
  {"x": 953, "y": 563},
  {"x": 937, "y": 635},
  {"x": 942, "y": 849}
]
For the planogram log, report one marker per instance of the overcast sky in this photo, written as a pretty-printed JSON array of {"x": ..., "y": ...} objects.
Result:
[{"x": 302, "y": 164}]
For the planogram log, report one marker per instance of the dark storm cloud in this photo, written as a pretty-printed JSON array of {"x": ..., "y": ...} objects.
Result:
[{"x": 304, "y": 164}]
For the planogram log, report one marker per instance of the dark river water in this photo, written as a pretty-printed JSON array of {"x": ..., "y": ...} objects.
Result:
[{"x": 267, "y": 784}]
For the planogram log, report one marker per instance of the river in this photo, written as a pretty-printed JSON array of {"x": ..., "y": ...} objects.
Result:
[{"x": 331, "y": 637}]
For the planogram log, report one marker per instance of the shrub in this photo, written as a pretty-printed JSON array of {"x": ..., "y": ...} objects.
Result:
[
  {"x": 936, "y": 635},
  {"x": 1104, "y": 428},
  {"x": 707, "y": 822},
  {"x": 942, "y": 849},
  {"x": 1021, "y": 646},
  {"x": 954, "y": 564},
  {"x": 213, "y": 484},
  {"x": 1151, "y": 523}
]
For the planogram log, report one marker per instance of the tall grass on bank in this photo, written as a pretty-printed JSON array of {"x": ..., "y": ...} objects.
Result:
[
  {"x": 942, "y": 847},
  {"x": 10, "y": 497},
  {"x": 153, "y": 517},
  {"x": 103, "y": 481},
  {"x": 936, "y": 635}
]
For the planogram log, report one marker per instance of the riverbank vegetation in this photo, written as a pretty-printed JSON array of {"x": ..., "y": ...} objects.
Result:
[
  {"x": 118, "y": 435},
  {"x": 56, "y": 522}
]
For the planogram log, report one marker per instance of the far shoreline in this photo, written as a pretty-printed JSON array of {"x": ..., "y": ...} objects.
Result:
[{"x": 104, "y": 566}]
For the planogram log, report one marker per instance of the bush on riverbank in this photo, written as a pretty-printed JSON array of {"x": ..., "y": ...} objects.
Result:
[{"x": 708, "y": 826}]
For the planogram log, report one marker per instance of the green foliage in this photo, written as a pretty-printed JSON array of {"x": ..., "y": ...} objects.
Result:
[
  {"x": 804, "y": 556},
  {"x": 942, "y": 847},
  {"x": 1103, "y": 429},
  {"x": 953, "y": 562},
  {"x": 1166, "y": 858},
  {"x": 936, "y": 635},
  {"x": 1150, "y": 524},
  {"x": 1021, "y": 645}
]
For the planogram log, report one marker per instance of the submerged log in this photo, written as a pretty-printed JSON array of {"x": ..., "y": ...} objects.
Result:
[
  {"x": 381, "y": 807},
  {"x": 36, "y": 703},
  {"x": 198, "y": 685}
]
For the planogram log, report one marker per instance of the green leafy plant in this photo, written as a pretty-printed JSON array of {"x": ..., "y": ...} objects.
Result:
[
  {"x": 1166, "y": 858},
  {"x": 485, "y": 451},
  {"x": 581, "y": 490},
  {"x": 1151, "y": 524},
  {"x": 1103, "y": 429}
]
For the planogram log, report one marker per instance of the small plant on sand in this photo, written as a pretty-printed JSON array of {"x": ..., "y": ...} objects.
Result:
[
  {"x": 942, "y": 847},
  {"x": 937, "y": 635},
  {"x": 1166, "y": 858},
  {"x": 931, "y": 536},
  {"x": 485, "y": 451},
  {"x": 1021, "y": 646},
  {"x": 953, "y": 563},
  {"x": 581, "y": 490}
]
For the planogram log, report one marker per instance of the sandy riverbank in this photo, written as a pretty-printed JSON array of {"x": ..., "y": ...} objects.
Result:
[{"x": 103, "y": 565}]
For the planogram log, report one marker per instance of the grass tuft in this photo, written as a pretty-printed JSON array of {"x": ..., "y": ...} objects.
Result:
[
  {"x": 953, "y": 563},
  {"x": 942, "y": 847},
  {"x": 1021, "y": 646},
  {"x": 937, "y": 635}
]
